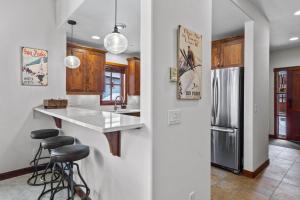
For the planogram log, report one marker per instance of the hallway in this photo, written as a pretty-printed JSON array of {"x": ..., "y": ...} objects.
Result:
[{"x": 281, "y": 179}]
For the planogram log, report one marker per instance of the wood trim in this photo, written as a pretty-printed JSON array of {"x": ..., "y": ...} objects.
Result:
[
  {"x": 272, "y": 136},
  {"x": 133, "y": 58},
  {"x": 75, "y": 45},
  {"x": 115, "y": 64},
  {"x": 114, "y": 140},
  {"x": 19, "y": 172},
  {"x": 58, "y": 122},
  {"x": 257, "y": 171},
  {"x": 285, "y": 68}
]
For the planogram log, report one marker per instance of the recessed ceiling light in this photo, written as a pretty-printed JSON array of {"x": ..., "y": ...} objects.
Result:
[
  {"x": 294, "y": 38},
  {"x": 96, "y": 37},
  {"x": 297, "y": 13}
]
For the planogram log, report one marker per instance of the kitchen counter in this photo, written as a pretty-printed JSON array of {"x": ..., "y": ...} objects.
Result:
[{"x": 102, "y": 121}]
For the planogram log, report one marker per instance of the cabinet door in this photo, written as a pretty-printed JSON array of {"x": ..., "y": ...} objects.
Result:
[
  {"x": 75, "y": 78},
  {"x": 137, "y": 78},
  {"x": 133, "y": 77},
  {"x": 94, "y": 72},
  {"x": 215, "y": 55},
  {"x": 233, "y": 53}
]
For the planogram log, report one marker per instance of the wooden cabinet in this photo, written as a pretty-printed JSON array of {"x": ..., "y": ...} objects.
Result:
[
  {"x": 215, "y": 54},
  {"x": 133, "y": 76},
  {"x": 89, "y": 76},
  {"x": 228, "y": 52}
]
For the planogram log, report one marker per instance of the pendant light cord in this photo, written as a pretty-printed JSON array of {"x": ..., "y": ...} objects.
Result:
[
  {"x": 72, "y": 27},
  {"x": 116, "y": 8}
]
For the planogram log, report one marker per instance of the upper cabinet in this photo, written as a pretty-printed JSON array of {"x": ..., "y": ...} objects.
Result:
[
  {"x": 133, "y": 76},
  {"x": 228, "y": 52},
  {"x": 88, "y": 78}
]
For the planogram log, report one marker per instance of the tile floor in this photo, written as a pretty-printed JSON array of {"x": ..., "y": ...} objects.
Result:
[
  {"x": 17, "y": 189},
  {"x": 280, "y": 181}
]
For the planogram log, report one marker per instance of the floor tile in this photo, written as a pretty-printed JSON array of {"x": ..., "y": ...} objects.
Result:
[
  {"x": 288, "y": 156},
  {"x": 286, "y": 191}
]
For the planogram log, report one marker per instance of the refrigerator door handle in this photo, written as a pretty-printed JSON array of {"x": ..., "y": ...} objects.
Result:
[
  {"x": 227, "y": 130},
  {"x": 213, "y": 99},
  {"x": 217, "y": 98}
]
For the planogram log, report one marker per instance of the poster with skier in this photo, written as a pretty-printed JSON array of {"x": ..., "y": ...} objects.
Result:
[
  {"x": 189, "y": 64},
  {"x": 34, "y": 67}
]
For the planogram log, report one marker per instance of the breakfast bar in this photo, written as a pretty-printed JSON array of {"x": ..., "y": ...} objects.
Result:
[{"x": 111, "y": 124}]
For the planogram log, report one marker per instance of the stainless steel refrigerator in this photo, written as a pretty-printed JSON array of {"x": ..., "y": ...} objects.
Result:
[{"x": 227, "y": 118}]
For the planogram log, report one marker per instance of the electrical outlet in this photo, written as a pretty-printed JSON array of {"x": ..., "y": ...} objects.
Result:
[
  {"x": 192, "y": 196},
  {"x": 174, "y": 117}
]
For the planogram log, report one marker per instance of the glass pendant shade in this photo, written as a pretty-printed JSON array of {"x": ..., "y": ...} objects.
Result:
[
  {"x": 115, "y": 43},
  {"x": 72, "y": 62}
]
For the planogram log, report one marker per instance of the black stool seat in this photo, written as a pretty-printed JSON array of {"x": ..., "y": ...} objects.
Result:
[
  {"x": 58, "y": 141},
  {"x": 70, "y": 153},
  {"x": 44, "y": 133}
]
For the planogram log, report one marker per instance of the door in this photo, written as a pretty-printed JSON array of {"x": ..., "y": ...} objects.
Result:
[
  {"x": 76, "y": 77},
  {"x": 293, "y": 104},
  {"x": 225, "y": 149},
  {"x": 227, "y": 97}
]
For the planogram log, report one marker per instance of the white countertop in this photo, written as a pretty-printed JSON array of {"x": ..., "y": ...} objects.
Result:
[{"x": 97, "y": 120}]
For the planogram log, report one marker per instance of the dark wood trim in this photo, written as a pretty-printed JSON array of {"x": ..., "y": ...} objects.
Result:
[
  {"x": 277, "y": 69},
  {"x": 19, "y": 172},
  {"x": 119, "y": 68},
  {"x": 114, "y": 140},
  {"x": 75, "y": 45},
  {"x": 133, "y": 58},
  {"x": 257, "y": 171},
  {"x": 116, "y": 64},
  {"x": 272, "y": 136},
  {"x": 58, "y": 122}
]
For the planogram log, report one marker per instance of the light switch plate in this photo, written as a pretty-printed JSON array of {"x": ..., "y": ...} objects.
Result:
[{"x": 174, "y": 117}]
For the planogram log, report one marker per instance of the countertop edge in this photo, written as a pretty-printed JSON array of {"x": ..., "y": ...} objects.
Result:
[{"x": 89, "y": 126}]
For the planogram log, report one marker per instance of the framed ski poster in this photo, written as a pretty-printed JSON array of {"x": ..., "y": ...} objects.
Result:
[
  {"x": 34, "y": 67},
  {"x": 189, "y": 64}
]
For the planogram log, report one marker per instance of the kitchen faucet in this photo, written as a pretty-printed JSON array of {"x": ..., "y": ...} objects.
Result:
[{"x": 119, "y": 99}]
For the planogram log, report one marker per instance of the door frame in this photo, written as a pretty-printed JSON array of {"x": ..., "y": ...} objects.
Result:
[{"x": 275, "y": 70}]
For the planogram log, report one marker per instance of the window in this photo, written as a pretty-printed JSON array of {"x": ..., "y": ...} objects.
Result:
[{"x": 114, "y": 84}]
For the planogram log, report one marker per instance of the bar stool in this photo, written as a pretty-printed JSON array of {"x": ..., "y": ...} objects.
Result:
[
  {"x": 38, "y": 135},
  {"x": 63, "y": 159}
]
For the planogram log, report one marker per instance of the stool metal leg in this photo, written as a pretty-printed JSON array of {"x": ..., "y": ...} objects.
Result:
[
  {"x": 35, "y": 165},
  {"x": 87, "y": 189}
]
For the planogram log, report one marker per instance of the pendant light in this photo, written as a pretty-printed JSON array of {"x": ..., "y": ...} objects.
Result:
[
  {"x": 116, "y": 42},
  {"x": 72, "y": 61}
]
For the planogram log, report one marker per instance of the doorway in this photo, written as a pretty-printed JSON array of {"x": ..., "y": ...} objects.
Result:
[{"x": 287, "y": 103}]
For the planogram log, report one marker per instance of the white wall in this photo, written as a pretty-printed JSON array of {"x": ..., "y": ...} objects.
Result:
[
  {"x": 280, "y": 58},
  {"x": 256, "y": 115},
  {"x": 181, "y": 153},
  {"x": 28, "y": 23},
  {"x": 64, "y": 9}
]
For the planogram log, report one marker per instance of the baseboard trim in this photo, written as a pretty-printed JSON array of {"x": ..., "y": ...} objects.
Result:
[
  {"x": 257, "y": 171},
  {"x": 16, "y": 173}
]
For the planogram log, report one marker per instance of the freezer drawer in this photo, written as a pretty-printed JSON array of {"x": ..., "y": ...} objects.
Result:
[{"x": 225, "y": 148}]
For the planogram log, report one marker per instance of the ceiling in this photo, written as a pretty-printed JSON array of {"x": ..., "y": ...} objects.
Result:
[
  {"x": 96, "y": 17},
  {"x": 228, "y": 20},
  {"x": 284, "y": 24}
]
